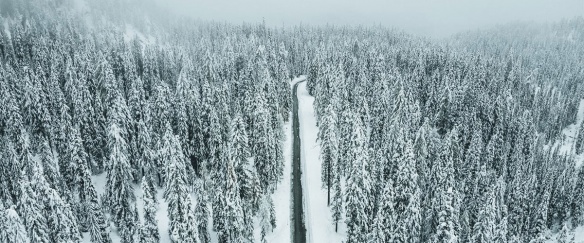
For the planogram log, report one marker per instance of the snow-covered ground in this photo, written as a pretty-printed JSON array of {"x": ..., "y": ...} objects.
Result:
[{"x": 318, "y": 217}]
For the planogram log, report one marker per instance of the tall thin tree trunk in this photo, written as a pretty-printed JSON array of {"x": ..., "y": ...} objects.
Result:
[{"x": 328, "y": 177}]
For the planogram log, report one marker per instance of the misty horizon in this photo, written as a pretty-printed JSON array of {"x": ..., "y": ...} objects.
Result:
[{"x": 432, "y": 19}]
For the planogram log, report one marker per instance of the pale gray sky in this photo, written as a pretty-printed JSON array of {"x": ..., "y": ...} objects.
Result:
[{"x": 434, "y": 18}]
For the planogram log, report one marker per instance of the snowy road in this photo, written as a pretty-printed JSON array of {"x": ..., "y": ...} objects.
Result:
[{"x": 299, "y": 231}]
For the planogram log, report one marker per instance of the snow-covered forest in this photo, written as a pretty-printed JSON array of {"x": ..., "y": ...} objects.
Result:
[{"x": 123, "y": 123}]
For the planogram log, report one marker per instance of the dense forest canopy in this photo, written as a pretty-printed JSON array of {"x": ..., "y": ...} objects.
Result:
[{"x": 460, "y": 140}]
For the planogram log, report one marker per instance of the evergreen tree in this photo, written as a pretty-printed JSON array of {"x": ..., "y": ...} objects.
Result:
[
  {"x": 183, "y": 227},
  {"x": 385, "y": 225},
  {"x": 266, "y": 216},
  {"x": 233, "y": 212},
  {"x": 91, "y": 213},
  {"x": 337, "y": 204},
  {"x": 146, "y": 166},
  {"x": 329, "y": 149},
  {"x": 30, "y": 208},
  {"x": 149, "y": 230},
  {"x": 265, "y": 162},
  {"x": 579, "y": 140},
  {"x": 444, "y": 197},
  {"x": 13, "y": 167},
  {"x": 64, "y": 226},
  {"x": 407, "y": 198},
  {"x": 97, "y": 222},
  {"x": 577, "y": 208},
  {"x": 119, "y": 193},
  {"x": 345, "y": 129},
  {"x": 484, "y": 228},
  {"x": 202, "y": 212},
  {"x": 358, "y": 190},
  {"x": 15, "y": 231},
  {"x": 2, "y": 221}
]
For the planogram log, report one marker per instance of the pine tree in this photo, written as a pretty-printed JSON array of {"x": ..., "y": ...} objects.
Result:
[
  {"x": 265, "y": 163},
  {"x": 407, "y": 205},
  {"x": 119, "y": 190},
  {"x": 444, "y": 197},
  {"x": 233, "y": 212},
  {"x": 337, "y": 204},
  {"x": 15, "y": 229},
  {"x": 345, "y": 124},
  {"x": 329, "y": 149},
  {"x": 13, "y": 167},
  {"x": 484, "y": 228},
  {"x": 251, "y": 193},
  {"x": 579, "y": 140},
  {"x": 183, "y": 227},
  {"x": 3, "y": 225},
  {"x": 64, "y": 226},
  {"x": 577, "y": 208},
  {"x": 358, "y": 190},
  {"x": 85, "y": 188},
  {"x": 32, "y": 213},
  {"x": 50, "y": 164},
  {"x": 97, "y": 222},
  {"x": 385, "y": 225},
  {"x": 202, "y": 212},
  {"x": 146, "y": 166},
  {"x": 501, "y": 230},
  {"x": 266, "y": 216},
  {"x": 149, "y": 230}
]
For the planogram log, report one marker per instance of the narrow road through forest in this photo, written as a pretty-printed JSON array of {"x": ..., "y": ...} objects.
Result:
[{"x": 299, "y": 231}]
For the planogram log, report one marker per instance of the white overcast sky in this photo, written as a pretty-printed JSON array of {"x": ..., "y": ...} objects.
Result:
[{"x": 433, "y": 18}]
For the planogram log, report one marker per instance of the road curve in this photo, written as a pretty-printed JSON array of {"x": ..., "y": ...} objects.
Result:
[{"x": 299, "y": 230}]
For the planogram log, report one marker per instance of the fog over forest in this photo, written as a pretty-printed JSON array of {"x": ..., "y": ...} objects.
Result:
[{"x": 438, "y": 18}]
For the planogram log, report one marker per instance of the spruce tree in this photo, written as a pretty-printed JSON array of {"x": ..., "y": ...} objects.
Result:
[
  {"x": 407, "y": 198},
  {"x": 329, "y": 149},
  {"x": 98, "y": 223},
  {"x": 32, "y": 213},
  {"x": 444, "y": 196},
  {"x": 579, "y": 140},
  {"x": 2, "y": 221},
  {"x": 119, "y": 193},
  {"x": 484, "y": 228},
  {"x": 233, "y": 212},
  {"x": 358, "y": 190},
  {"x": 15, "y": 231},
  {"x": 64, "y": 226},
  {"x": 266, "y": 217},
  {"x": 149, "y": 230},
  {"x": 202, "y": 212},
  {"x": 385, "y": 223},
  {"x": 183, "y": 227},
  {"x": 337, "y": 203}
]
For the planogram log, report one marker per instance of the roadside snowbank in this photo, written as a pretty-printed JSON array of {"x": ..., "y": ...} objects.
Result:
[{"x": 318, "y": 217}]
